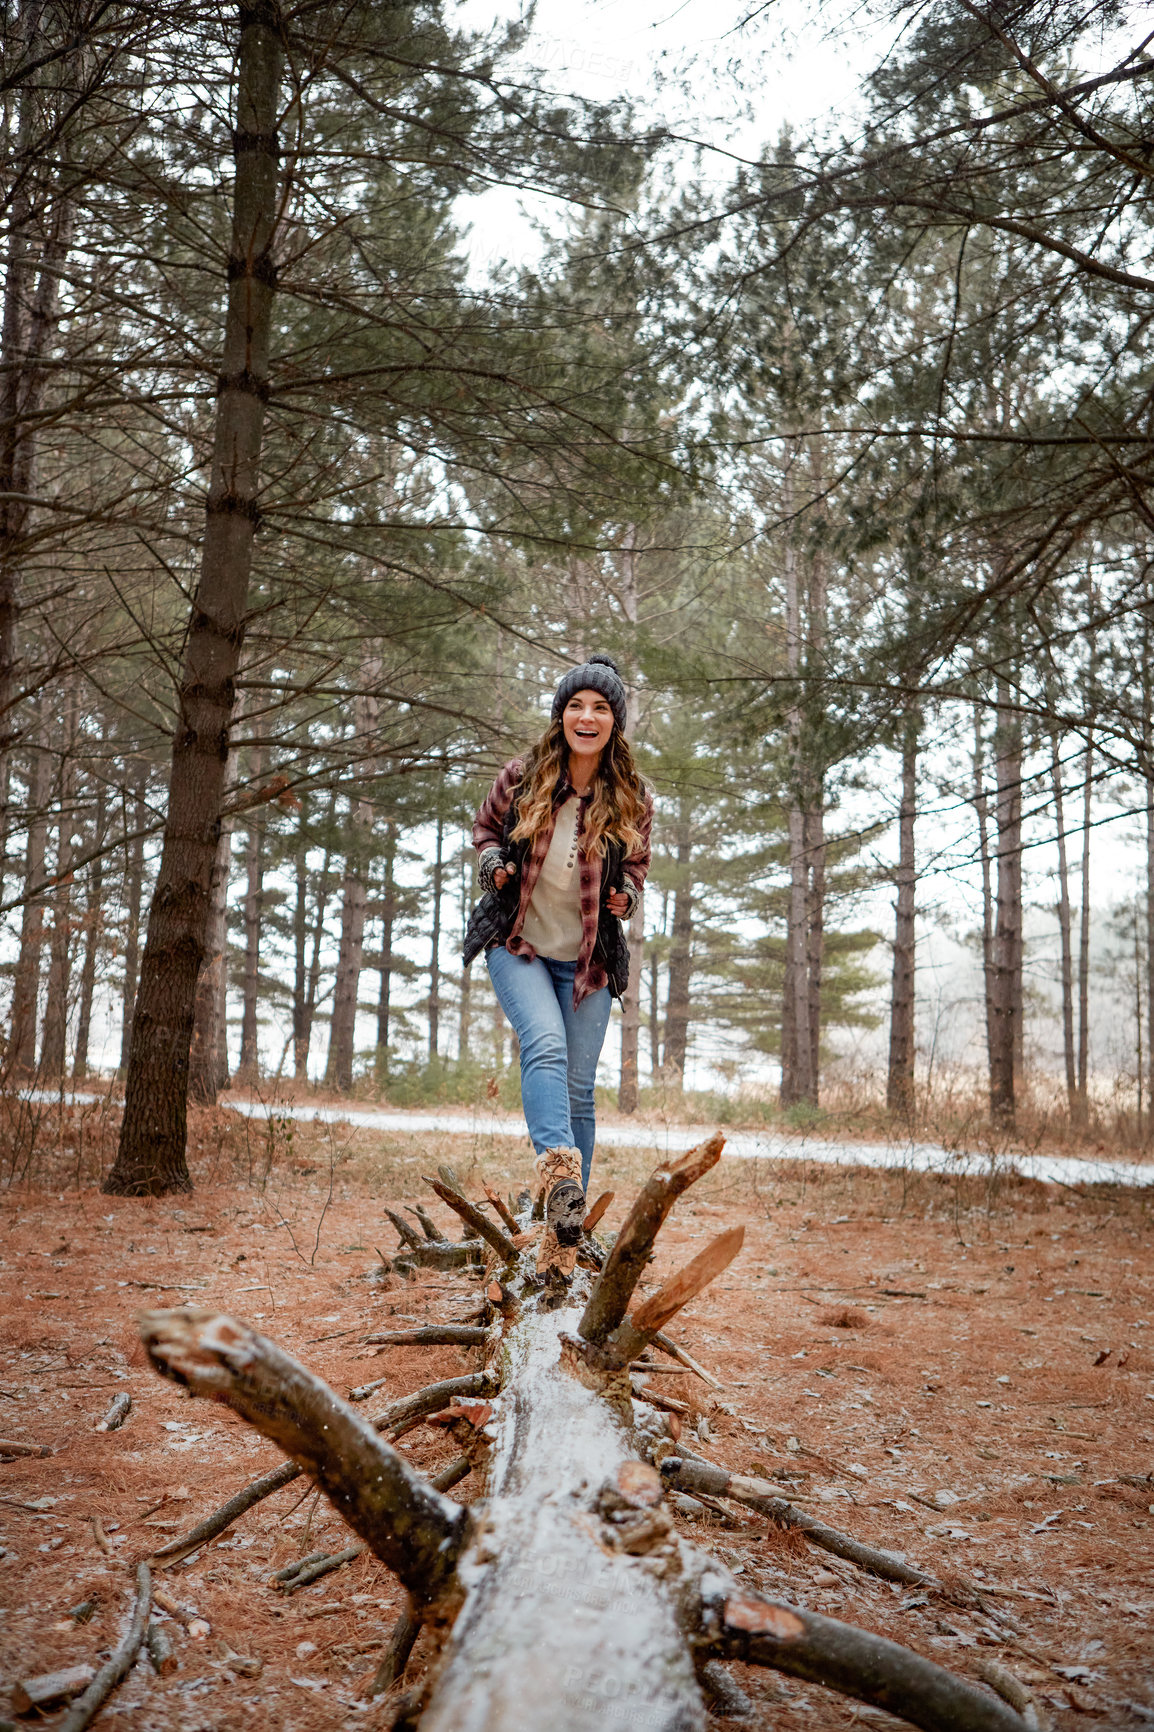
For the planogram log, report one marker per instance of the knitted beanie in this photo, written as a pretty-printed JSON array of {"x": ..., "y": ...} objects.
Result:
[{"x": 598, "y": 674}]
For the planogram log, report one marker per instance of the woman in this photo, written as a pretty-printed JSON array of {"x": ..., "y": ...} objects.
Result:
[{"x": 563, "y": 848}]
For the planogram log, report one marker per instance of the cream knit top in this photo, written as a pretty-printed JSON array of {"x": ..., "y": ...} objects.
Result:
[{"x": 553, "y": 918}]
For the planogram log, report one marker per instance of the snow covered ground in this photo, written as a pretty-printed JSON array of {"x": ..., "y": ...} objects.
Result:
[
  {"x": 744, "y": 1145},
  {"x": 674, "y": 1139}
]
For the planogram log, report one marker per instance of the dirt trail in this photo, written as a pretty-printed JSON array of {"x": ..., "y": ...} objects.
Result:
[{"x": 961, "y": 1373}]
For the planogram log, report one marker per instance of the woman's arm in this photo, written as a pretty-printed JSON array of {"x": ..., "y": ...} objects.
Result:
[
  {"x": 635, "y": 867},
  {"x": 489, "y": 824}
]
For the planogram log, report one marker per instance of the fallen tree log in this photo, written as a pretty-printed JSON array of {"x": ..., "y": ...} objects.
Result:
[{"x": 568, "y": 1599}]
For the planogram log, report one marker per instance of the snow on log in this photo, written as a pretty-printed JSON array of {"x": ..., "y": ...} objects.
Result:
[{"x": 556, "y": 1629}]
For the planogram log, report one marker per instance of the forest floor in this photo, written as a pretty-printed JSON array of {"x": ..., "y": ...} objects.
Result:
[{"x": 961, "y": 1372}]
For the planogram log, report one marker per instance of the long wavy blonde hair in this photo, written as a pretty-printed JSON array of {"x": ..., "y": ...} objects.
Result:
[{"x": 618, "y": 804}]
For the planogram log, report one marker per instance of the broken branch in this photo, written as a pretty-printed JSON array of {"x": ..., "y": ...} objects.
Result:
[
  {"x": 1013, "y": 1691},
  {"x": 430, "y": 1335},
  {"x": 442, "y": 1255},
  {"x": 502, "y": 1209},
  {"x": 412, "y": 1528},
  {"x": 432, "y": 1232},
  {"x": 701, "y": 1476},
  {"x": 434, "y": 1396},
  {"x": 312, "y": 1568},
  {"x": 119, "y": 1664},
  {"x": 610, "y": 1297},
  {"x": 742, "y": 1625},
  {"x": 675, "y": 1352},
  {"x": 598, "y": 1210},
  {"x": 8, "y": 1446},
  {"x": 635, "y": 1332},
  {"x": 214, "y": 1524},
  {"x": 472, "y": 1216},
  {"x": 407, "y": 1235},
  {"x": 118, "y": 1412},
  {"x": 396, "y": 1656}
]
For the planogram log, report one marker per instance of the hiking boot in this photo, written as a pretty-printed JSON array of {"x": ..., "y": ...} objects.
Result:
[{"x": 560, "y": 1173}]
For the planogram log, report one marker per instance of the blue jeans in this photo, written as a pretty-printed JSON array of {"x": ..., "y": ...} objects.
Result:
[{"x": 560, "y": 1047}]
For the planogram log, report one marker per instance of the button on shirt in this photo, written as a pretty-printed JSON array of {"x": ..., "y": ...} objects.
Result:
[{"x": 553, "y": 923}]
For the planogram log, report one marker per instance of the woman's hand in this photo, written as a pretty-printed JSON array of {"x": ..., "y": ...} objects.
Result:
[
  {"x": 502, "y": 875},
  {"x": 617, "y": 903}
]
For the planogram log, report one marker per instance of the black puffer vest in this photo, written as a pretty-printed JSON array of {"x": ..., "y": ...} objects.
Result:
[{"x": 492, "y": 919}]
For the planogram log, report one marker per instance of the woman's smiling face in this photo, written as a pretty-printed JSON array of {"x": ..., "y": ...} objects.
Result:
[{"x": 588, "y": 723}]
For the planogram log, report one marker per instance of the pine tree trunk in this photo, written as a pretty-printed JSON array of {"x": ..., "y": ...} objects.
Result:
[
  {"x": 388, "y": 922},
  {"x": 1083, "y": 1113},
  {"x": 815, "y": 818},
  {"x": 54, "y": 1046},
  {"x": 815, "y": 937},
  {"x": 629, "y": 1077},
  {"x": 654, "y": 1016},
  {"x": 435, "y": 950},
  {"x": 208, "y": 1057},
  {"x": 982, "y": 809},
  {"x": 350, "y": 956},
  {"x": 629, "y": 1080},
  {"x": 134, "y": 899},
  {"x": 5, "y": 816},
  {"x": 680, "y": 953},
  {"x": 343, "y": 1027},
  {"x": 796, "y": 1083},
  {"x": 900, "y": 1081},
  {"x": 1006, "y": 983},
  {"x": 465, "y": 1014},
  {"x": 93, "y": 928},
  {"x": 248, "y": 1066},
  {"x": 1065, "y": 928},
  {"x": 26, "y": 985},
  {"x": 38, "y": 223},
  {"x": 151, "y": 1157},
  {"x": 300, "y": 945},
  {"x": 1149, "y": 778},
  {"x": 318, "y": 935}
]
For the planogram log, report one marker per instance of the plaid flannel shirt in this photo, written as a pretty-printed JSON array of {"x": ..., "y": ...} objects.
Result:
[{"x": 487, "y": 825}]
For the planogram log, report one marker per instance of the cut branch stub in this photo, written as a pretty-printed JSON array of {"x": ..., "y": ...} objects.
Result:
[
  {"x": 480, "y": 1223},
  {"x": 432, "y": 1232},
  {"x": 404, "y": 1414},
  {"x": 610, "y": 1298},
  {"x": 637, "y": 1331},
  {"x": 415, "y": 1530},
  {"x": 407, "y": 1235},
  {"x": 505, "y": 1213},
  {"x": 598, "y": 1210}
]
